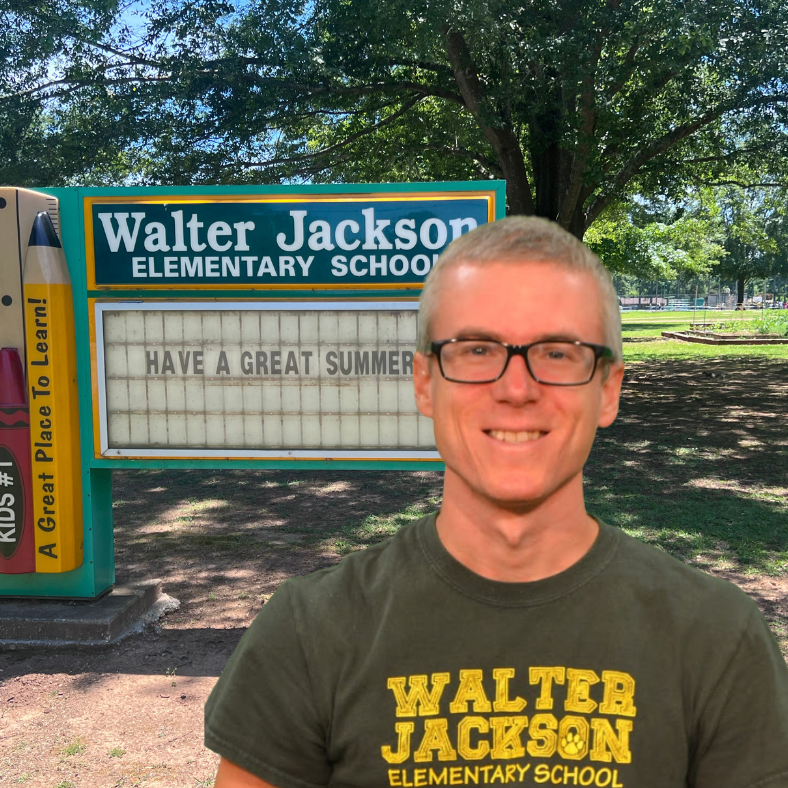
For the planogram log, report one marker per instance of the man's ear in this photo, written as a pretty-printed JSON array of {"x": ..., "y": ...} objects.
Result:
[
  {"x": 422, "y": 383},
  {"x": 611, "y": 392}
]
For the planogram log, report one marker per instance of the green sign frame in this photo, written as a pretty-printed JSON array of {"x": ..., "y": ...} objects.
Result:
[{"x": 438, "y": 205}]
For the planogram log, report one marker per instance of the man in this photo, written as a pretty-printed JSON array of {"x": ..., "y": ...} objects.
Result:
[{"x": 512, "y": 639}]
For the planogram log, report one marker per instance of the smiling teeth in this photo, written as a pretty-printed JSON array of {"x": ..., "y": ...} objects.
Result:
[{"x": 514, "y": 437}]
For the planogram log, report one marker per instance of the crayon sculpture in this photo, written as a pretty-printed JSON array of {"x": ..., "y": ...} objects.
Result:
[
  {"x": 17, "y": 548},
  {"x": 52, "y": 388},
  {"x": 18, "y": 209}
]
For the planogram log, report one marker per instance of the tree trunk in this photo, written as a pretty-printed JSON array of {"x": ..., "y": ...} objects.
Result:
[
  {"x": 518, "y": 190},
  {"x": 577, "y": 226},
  {"x": 740, "y": 293},
  {"x": 498, "y": 131},
  {"x": 547, "y": 177}
]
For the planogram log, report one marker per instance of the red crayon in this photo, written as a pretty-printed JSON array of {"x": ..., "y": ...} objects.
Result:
[{"x": 17, "y": 541}]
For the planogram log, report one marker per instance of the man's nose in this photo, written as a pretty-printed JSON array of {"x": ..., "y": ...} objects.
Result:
[{"x": 516, "y": 385}]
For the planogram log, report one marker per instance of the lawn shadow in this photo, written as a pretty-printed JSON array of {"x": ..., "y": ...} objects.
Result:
[
  {"x": 212, "y": 535},
  {"x": 698, "y": 460}
]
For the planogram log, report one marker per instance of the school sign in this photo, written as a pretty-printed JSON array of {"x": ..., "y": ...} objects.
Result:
[
  {"x": 226, "y": 327},
  {"x": 389, "y": 241}
]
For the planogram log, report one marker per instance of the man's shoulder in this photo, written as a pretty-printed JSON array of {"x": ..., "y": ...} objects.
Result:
[{"x": 659, "y": 579}]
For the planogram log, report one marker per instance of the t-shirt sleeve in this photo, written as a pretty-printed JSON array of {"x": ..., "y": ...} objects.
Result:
[
  {"x": 743, "y": 730},
  {"x": 261, "y": 714}
]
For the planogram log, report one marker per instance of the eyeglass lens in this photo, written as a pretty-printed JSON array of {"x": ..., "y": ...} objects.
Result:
[{"x": 476, "y": 361}]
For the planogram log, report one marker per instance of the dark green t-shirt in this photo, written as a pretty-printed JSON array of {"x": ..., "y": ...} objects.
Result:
[{"x": 400, "y": 667}]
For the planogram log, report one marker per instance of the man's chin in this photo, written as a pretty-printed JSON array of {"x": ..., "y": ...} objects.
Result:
[
  {"x": 514, "y": 497},
  {"x": 511, "y": 492}
]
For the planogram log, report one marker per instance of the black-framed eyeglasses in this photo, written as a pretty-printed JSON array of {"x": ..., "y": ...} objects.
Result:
[{"x": 554, "y": 363}]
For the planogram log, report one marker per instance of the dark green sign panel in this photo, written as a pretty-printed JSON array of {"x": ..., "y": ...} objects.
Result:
[{"x": 326, "y": 241}]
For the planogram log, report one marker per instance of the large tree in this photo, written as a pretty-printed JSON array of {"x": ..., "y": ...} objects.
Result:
[
  {"x": 574, "y": 104},
  {"x": 755, "y": 222}
]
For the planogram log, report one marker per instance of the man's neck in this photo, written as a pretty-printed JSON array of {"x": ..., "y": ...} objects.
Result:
[{"x": 515, "y": 545}]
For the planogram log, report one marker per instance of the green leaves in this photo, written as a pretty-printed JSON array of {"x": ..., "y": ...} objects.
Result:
[
  {"x": 576, "y": 105},
  {"x": 633, "y": 240},
  {"x": 756, "y": 228}
]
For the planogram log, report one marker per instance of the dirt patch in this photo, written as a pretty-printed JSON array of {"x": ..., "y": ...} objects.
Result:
[{"x": 223, "y": 541}]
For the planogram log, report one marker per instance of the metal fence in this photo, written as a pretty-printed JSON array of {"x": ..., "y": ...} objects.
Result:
[{"x": 635, "y": 294}]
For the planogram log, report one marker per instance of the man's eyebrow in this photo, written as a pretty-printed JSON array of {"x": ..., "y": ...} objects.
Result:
[
  {"x": 477, "y": 333},
  {"x": 486, "y": 333},
  {"x": 560, "y": 338}
]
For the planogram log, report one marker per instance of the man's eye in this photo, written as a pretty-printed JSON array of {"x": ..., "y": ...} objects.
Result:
[{"x": 475, "y": 349}]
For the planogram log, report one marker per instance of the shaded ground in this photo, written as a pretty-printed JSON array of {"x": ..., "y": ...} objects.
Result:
[{"x": 697, "y": 464}]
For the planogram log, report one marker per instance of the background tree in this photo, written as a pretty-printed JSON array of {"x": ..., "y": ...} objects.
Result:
[
  {"x": 756, "y": 235},
  {"x": 660, "y": 241},
  {"x": 49, "y": 92},
  {"x": 575, "y": 105},
  {"x": 737, "y": 230}
]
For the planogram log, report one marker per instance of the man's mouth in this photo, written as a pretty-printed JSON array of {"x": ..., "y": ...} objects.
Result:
[{"x": 515, "y": 437}]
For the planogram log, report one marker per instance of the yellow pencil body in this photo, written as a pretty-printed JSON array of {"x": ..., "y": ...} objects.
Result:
[{"x": 54, "y": 405}]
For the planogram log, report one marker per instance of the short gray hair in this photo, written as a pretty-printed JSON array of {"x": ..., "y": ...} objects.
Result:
[{"x": 522, "y": 239}]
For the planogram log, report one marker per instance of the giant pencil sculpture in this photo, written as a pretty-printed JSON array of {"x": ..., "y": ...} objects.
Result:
[
  {"x": 17, "y": 549},
  {"x": 52, "y": 387}
]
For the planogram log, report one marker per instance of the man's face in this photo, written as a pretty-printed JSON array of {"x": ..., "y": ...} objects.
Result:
[{"x": 516, "y": 442}]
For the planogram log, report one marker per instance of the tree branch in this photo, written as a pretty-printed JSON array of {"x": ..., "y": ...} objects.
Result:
[
  {"x": 722, "y": 157},
  {"x": 86, "y": 40},
  {"x": 331, "y": 148},
  {"x": 356, "y": 90},
  {"x": 129, "y": 57},
  {"x": 629, "y": 69},
  {"x": 501, "y": 137},
  {"x": 464, "y": 153},
  {"x": 670, "y": 139},
  {"x": 75, "y": 84},
  {"x": 743, "y": 184},
  {"x": 570, "y": 203},
  {"x": 437, "y": 68},
  {"x": 636, "y": 161}
]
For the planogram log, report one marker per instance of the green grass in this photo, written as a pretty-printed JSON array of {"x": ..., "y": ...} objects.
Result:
[
  {"x": 653, "y": 330},
  {"x": 116, "y": 752},
  {"x": 376, "y": 528},
  {"x": 75, "y": 747},
  {"x": 636, "y": 328},
  {"x": 634, "y": 319},
  {"x": 673, "y": 349},
  {"x": 687, "y": 317},
  {"x": 742, "y": 530}
]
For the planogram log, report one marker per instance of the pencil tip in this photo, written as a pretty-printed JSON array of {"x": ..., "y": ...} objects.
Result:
[{"x": 43, "y": 232}]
